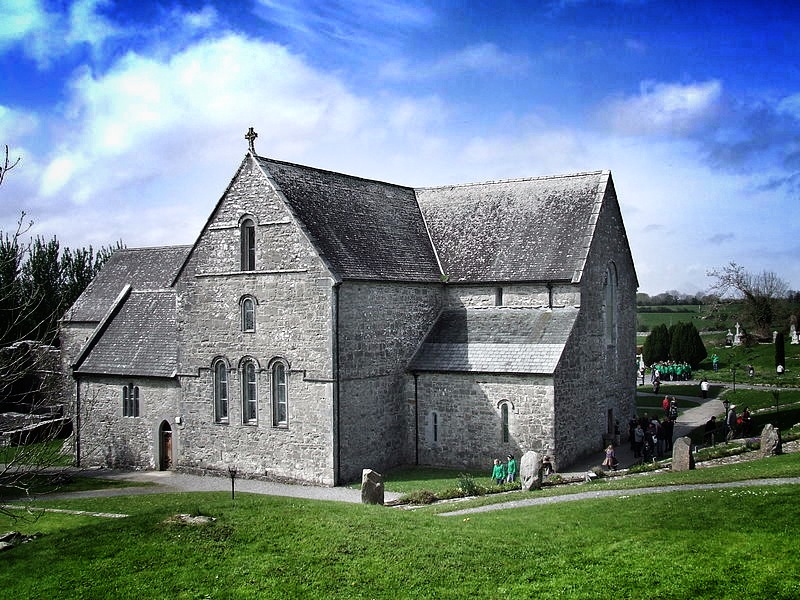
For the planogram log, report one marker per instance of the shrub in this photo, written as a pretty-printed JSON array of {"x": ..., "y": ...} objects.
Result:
[
  {"x": 656, "y": 346},
  {"x": 467, "y": 485}
]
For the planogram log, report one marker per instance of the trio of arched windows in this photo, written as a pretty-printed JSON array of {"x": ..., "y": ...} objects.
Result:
[{"x": 249, "y": 371}]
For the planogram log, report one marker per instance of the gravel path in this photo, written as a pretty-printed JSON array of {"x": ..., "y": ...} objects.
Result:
[{"x": 621, "y": 493}]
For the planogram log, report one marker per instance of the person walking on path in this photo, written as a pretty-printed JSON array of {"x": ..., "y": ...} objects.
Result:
[
  {"x": 498, "y": 472},
  {"x": 704, "y": 388},
  {"x": 511, "y": 469}
]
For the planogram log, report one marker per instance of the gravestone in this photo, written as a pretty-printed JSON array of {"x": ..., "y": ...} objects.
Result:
[
  {"x": 737, "y": 339},
  {"x": 770, "y": 441},
  {"x": 371, "y": 487},
  {"x": 530, "y": 471},
  {"x": 795, "y": 339},
  {"x": 682, "y": 457}
]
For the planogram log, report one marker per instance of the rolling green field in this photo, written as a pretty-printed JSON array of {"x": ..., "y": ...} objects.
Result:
[
  {"x": 724, "y": 543},
  {"x": 650, "y": 316}
]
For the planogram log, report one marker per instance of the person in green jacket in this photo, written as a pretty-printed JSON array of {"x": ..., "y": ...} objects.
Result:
[
  {"x": 511, "y": 469},
  {"x": 498, "y": 472}
]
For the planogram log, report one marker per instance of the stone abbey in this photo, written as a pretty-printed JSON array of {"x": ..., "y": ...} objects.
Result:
[{"x": 323, "y": 323}]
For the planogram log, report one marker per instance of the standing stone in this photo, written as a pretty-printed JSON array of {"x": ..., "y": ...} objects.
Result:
[
  {"x": 770, "y": 441},
  {"x": 530, "y": 471},
  {"x": 371, "y": 487},
  {"x": 682, "y": 457}
]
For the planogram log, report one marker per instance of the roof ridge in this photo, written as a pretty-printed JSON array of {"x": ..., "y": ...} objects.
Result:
[
  {"x": 514, "y": 180},
  {"x": 330, "y": 172}
]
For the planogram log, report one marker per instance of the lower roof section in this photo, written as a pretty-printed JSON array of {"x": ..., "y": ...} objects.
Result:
[{"x": 497, "y": 340}]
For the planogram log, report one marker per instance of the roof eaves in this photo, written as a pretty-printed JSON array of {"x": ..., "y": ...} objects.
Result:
[
  {"x": 102, "y": 326},
  {"x": 295, "y": 217},
  {"x": 591, "y": 225}
]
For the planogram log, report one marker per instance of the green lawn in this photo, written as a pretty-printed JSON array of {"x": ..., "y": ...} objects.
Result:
[
  {"x": 738, "y": 543},
  {"x": 649, "y": 317}
]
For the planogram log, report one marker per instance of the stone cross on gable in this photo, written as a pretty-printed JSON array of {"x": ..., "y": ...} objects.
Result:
[{"x": 251, "y": 136}]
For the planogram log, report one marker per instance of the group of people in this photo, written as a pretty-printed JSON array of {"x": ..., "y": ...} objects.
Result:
[
  {"x": 736, "y": 425},
  {"x": 504, "y": 472},
  {"x": 672, "y": 371},
  {"x": 651, "y": 437}
]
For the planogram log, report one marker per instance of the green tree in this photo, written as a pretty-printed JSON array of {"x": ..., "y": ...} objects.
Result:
[
  {"x": 657, "y": 345},
  {"x": 686, "y": 344},
  {"x": 780, "y": 350}
]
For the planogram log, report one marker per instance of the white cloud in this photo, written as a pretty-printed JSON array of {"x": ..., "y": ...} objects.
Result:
[
  {"x": 20, "y": 18},
  {"x": 665, "y": 108},
  {"x": 201, "y": 20},
  {"x": 478, "y": 58},
  {"x": 87, "y": 25}
]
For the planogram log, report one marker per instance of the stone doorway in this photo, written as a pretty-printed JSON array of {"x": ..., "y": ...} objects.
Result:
[{"x": 165, "y": 446}]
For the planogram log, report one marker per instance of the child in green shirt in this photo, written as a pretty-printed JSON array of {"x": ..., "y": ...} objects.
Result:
[
  {"x": 498, "y": 472},
  {"x": 511, "y": 469}
]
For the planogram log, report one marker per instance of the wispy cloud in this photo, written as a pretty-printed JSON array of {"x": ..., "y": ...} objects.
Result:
[
  {"x": 666, "y": 108},
  {"x": 46, "y": 36},
  {"x": 478, "y": 58}
]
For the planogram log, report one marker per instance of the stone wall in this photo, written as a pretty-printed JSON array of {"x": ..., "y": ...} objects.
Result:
[
  {"x": 381, "y": 325},
  {"x": 467, "y": 430},
  {"x": 595, "y": 381},
  {"x": 511, "y": 294},
  {"x": 108, "y": 439},
  {"x": 293, "y": 292}
]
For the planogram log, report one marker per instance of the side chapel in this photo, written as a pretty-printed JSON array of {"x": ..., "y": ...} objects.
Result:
[{"x": 323, "y": 323}]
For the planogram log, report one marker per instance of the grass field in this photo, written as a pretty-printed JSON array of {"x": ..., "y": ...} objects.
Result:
[
  {"x": 689, "y": 544},
  {"x": 650, "y": 316}
]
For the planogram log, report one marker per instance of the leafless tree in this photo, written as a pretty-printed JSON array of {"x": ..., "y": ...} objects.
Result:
[{"x": 760, "y": 291}]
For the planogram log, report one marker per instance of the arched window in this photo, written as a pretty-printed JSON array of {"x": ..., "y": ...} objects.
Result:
[
  {"x": 249, "y": 392},
  {"x": 248, "y": 232},
  {"x": 220, "y": 392},
  {"x": 504, "y": 421},
  {"x": 280, "y": 413},
  {"x": 248, "y": 316},
  {"x": 610, "y": 305},
  {"x": 130, "y": 400}
]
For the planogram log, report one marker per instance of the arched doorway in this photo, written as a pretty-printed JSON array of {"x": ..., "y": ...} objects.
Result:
[{"x": 165, "y": 446}]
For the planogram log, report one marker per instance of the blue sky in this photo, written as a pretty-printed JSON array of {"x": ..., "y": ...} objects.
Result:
[{"x": 130, "y": 116}]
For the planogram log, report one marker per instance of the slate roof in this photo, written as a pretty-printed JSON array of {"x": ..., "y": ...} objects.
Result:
[
  {"x": 364, "y": 229},
  {"x": 536, "y": 229},
  {"x": 139, "y": 339},
  {"x": 496, "y": 340},
  {"x": 141, "y": 268}
]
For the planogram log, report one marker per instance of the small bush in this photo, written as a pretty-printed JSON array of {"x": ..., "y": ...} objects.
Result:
[
  {"x": 420, "y": 497},
  {"x": 467, "y": 485}
]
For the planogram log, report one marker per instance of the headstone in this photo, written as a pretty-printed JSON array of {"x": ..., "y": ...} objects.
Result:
[
  {"x": 530, "y": 471},
  {"x": 795, "y": 339},
  {"x": 682, "y": 457},
  {"x": 371, "y": 487},
  {"x": 770, "y": 441},
  {"x": 774, "y": 336},
  {"x": 729, "y": 338},
  {"x": 737, "y": 339}
]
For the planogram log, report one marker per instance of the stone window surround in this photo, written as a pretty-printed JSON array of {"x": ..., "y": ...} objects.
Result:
[
  {"x": 130, "y": 400},
  {"x": 249, "y": 390},
  {"x": 245, "y": 302},
  {"x": 220, "y": 395},
  {"x": 247, "y": 228},
  {"x": 279, "y": 392}
]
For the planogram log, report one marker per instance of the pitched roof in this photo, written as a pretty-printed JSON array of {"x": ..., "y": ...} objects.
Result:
[
  {"x": 496, "y": 340},
  {"x": 364, "y": 229},
  {"x": 536, "y": 229},
  {"x": 140, "y": 338},
  {"x": 141, "y": 268}
]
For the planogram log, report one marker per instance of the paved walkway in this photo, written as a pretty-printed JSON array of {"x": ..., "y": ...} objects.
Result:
[
  {"x": 171, "y": 481},
  {"x": 687, "y": 421},
  {"x": 621, "y": 493}
]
